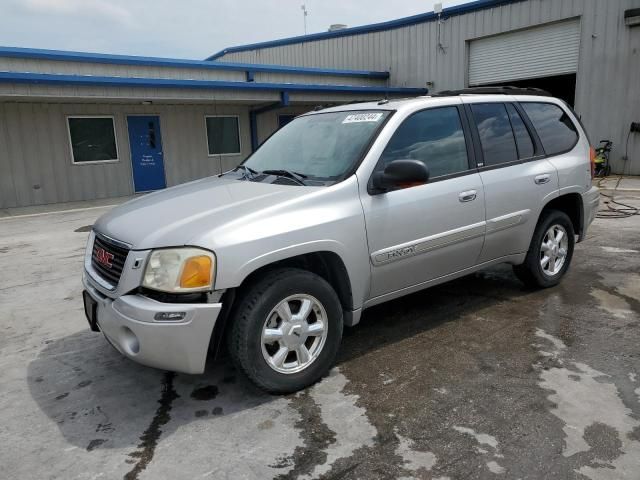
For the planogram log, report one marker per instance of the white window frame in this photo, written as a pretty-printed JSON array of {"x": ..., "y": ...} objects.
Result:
[
  {"x": 206, "y": 136},
  {"x": 115, "y": 138}
]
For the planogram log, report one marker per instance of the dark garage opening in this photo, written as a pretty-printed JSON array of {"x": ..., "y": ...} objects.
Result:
[{"x": 561, "y": 86}]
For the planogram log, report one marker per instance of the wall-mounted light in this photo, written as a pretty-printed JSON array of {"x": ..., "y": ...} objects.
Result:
[
  {"x": 632, "y": 17},
  {"x": 437, "y": 9},
  {"x": 146, "y": 102}
]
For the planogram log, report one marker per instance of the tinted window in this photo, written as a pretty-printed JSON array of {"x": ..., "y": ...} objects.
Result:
[
  {"x": 496, "y": 136},
  {"x": 223, "y": 135},
  {"x": 523, "y": 139},
  {"x": 434, "y": 137},
  {"x": 92, "y": 139},
  {"x": 556, "y": 130}
]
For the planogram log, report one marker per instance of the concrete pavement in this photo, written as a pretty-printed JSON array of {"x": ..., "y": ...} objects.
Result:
[{"x": 478, "y": 378}]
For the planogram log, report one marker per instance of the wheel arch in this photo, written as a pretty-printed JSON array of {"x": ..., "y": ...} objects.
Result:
[
  {"x": 325, "y": 263},
  {"x": 571, "y": 204}
]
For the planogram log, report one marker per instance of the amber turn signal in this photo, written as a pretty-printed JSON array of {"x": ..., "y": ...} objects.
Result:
[{"x": 196, "y": 272}]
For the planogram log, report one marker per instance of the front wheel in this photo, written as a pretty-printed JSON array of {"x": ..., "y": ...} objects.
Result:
[
  {"x": 286, "y": 330},
  {"x": 550, "y": 252}
]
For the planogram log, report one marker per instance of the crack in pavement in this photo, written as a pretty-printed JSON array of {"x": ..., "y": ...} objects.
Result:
[{"x": 149, "y": 438}]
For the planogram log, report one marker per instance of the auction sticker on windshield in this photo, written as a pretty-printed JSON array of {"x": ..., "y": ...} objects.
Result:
[{"x": 363, "y": 117}]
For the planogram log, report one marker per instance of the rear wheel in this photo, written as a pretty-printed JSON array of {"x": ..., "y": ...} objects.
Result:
[
  {"x": 286, "y": 331},
  {"x": 550, "y": 252}
]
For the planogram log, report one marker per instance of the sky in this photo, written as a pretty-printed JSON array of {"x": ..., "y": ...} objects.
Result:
[{"x": 192, "y": 29}]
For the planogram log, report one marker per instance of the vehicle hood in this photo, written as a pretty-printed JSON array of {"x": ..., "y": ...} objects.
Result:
[{"x": 178, "y": 215}]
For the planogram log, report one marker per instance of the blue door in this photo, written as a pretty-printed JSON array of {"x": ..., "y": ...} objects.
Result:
[{"x": 147, "y": 162}]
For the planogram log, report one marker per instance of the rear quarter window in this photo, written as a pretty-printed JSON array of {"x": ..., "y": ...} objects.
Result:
[{"x": 557, "y": 132}]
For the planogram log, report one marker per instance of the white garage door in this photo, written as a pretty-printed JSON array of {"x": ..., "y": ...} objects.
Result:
[{"x": 533, "y": 53}]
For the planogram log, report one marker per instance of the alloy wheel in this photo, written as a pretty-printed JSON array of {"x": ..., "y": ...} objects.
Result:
[{"x": 294, "y": 333}]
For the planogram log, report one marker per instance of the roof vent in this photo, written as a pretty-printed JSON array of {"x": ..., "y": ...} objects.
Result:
[{"x": 337, "y": 26}]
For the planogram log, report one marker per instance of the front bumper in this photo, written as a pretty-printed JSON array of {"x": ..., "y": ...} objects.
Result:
[{"x": 129, "y": 324}]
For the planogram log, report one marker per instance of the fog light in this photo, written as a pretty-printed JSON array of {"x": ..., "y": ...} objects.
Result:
[{"x": 170, "y": 316}]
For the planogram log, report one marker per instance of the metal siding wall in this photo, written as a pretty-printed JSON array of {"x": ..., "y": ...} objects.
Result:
[
  {"x": 607, "y": 93},
  {"x": 7, "y": 187},
  {"x": 34, "y": 150}
]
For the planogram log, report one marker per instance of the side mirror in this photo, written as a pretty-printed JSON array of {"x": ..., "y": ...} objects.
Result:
[{"x": 400, "y": 174}]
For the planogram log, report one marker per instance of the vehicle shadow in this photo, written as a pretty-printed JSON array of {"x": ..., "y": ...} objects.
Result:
[
  {"x": 99, "y": 399},
  {"x": 397, "y": 320}
]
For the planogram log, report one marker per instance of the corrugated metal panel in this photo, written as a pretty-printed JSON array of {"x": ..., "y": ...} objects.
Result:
[
  {"x": 608, "y": 62},
  {"x": 607, "y": 95},
  {"x": 533, "y": 53},
  {"x": 35, "y": 158}
]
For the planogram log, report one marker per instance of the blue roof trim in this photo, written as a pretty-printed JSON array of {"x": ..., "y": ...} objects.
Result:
[
  {"x": 90, "y": 80},
  {"x": 374, "y": 27},
  {"x": 61, "y": 55}
]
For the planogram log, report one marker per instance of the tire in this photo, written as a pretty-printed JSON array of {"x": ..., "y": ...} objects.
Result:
[
  {"x": 532, "y": 272},
  {"x": 256, "y": 321}
]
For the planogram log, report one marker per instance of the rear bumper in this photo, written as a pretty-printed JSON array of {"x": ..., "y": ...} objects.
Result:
[
  {"x": 590, "y": 204},
  {"x": 129, "y": 324}
]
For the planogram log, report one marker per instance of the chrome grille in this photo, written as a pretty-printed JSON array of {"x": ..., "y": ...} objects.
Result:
[{"x": 107, "y": 259}]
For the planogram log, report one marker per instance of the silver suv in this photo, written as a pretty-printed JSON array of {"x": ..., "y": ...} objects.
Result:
[{"x": 342, "y": 209}]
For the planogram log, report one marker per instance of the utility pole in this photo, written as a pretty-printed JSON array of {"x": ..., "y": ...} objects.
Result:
[{"x": 304, "y": 16}]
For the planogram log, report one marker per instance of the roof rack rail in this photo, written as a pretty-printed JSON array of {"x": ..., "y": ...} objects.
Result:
[{"x": 498, "y": 90}]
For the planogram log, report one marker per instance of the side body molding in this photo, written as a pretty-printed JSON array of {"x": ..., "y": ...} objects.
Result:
[{"x": 427, "y": 244}]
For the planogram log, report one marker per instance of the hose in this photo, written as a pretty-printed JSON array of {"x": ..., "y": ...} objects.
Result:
[{"x": 621, "y": 211}]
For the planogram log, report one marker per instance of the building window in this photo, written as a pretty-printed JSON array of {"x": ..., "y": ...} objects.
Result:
[
  {"x": 223, "y": 135},
  {"x": 93, "y": 139}
]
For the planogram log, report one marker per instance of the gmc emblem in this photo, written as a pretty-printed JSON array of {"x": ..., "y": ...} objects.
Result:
[{"x": 103, "y": 257}]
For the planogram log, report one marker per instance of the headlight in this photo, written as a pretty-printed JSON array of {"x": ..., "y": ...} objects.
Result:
[{"x": 177, "y": 270}]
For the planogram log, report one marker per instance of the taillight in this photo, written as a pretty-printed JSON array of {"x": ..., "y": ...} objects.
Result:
[{"x": 592, "y": 154}]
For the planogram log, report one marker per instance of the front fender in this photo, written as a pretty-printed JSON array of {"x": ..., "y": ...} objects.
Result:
[{"x": 288, "y": 252}]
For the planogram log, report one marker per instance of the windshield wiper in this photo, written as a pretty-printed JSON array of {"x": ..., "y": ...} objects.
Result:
[{"x": 298, "y": 177}]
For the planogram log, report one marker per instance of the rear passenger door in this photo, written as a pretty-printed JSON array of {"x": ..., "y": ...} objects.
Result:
[{"x": 517, "y": 178}]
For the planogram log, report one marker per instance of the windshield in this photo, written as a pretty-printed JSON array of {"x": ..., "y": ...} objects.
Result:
[{"x": 322, "y": 146}]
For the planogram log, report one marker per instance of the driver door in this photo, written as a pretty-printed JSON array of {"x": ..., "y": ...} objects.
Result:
[{"x": 424, "y": 232}]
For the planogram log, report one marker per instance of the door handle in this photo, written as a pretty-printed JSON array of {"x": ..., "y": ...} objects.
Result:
[
  {"x": 467, "y": 196},
  {"x": 542, "y": 179}
]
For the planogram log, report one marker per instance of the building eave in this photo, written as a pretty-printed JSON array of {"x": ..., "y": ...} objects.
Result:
[
  {"x": 103, "y": 58},
  {"x": 91, "y": 80}
]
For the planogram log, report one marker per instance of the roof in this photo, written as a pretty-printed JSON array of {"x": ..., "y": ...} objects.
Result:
[
  {"x": 374, "y": 27},
  {"x": 296, "y": 85},
  {"x": 68, "y": 56}
]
